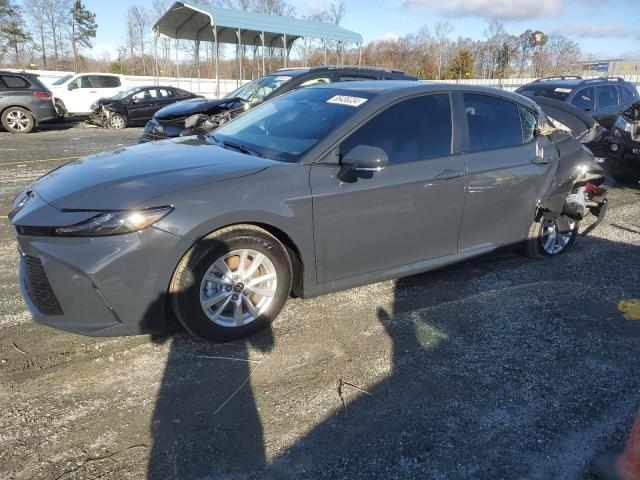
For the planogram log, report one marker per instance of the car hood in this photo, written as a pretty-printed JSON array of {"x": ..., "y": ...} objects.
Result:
[
  {"x": 192, "y": 106},
  {"x": 129, "y": 177}
]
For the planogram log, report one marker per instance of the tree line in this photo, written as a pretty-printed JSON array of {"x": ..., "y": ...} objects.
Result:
[{"x": 58, "y": 35}]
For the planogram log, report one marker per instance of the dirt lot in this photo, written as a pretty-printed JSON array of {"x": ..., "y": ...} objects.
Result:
[{"x": 501, "y": 367}]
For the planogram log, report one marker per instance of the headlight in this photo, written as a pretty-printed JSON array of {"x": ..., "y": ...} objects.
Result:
[
  {"x": 114, "y": 223},
  {"x": 623, "y": 124},
  {"x": 23, "y": 201}
]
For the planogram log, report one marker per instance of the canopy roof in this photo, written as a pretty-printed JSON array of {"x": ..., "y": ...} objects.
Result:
[{"x": 187, "y": 21}]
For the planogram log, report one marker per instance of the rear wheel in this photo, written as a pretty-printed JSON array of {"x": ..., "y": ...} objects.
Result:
[
  {"x": 551, "y": 237},
  {"x": 231, "y": 284},
  {"x": 117, "y": 121},
  {"x": 17, "y": 120}
]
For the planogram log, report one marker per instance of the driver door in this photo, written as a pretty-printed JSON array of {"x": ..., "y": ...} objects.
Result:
[{"x": 408, "y": 212}]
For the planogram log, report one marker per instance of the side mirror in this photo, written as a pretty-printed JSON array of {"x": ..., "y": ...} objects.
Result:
[
  {"x": 366, "y": 158},
  {"x": 72, "y": 86}
]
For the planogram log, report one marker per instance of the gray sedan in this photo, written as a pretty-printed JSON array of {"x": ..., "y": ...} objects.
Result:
[{"x": 319, "y": 190}]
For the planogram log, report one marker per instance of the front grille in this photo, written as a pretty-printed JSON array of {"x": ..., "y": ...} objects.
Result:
[{"x": 38, "y": 287}]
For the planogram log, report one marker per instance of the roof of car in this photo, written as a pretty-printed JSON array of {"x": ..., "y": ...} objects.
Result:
[
  {"x": 296, "y": 71},
  {"x": 412, "y": 86},
  {"x": 571, "y": 81}
]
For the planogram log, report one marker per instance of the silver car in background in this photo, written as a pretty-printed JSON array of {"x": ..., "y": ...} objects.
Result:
[{"x": 322, "y": 189}]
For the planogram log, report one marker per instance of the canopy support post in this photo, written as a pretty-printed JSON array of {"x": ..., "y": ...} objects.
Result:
[
  {"x": 239, "y": 56},
  {"x": 264, "y": 72},
  {"x": 286, "y": 49},
  {"x": 341, "y": 48},
  {"x": 217, "y": 57},
  {"x": 177, "y": 62},
  {"x": 324, "y": 44}
]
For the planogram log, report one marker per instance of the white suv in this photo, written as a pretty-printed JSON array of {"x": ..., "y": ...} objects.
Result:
[{"x": 74, "y": 94}]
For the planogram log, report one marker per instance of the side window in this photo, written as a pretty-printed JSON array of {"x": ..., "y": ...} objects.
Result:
[
  {"x": 584, "y": 99},
  {"x": 607, "y": 96},
  {"x": 625, "y": 94},
  {"x": 414, "y": 129},
  {"x": 84, "y": 82},
  {"x": 528, "y": 121},
  {"x": 145, "y": 95},
  {"x": 357, "y": 78},
  {"x": 12, "y": 81},
  {"x": 317, "y": 80},
  {"x": 104, "y": 81},
  {"x": 493, "y": 123},
  {"x": 165, "y": 94}
]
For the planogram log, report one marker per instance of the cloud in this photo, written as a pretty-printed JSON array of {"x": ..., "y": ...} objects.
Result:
[
  {"x": 595, "y": 31},
  {"x": 501, "y": 9},
  {"x": 390, "y": 36}
]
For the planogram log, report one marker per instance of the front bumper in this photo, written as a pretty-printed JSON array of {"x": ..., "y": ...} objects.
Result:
[
  {"x": 155, "y": 130},
  {"x": 626, "y": 153},
  {"x": 100, "y": 286}
]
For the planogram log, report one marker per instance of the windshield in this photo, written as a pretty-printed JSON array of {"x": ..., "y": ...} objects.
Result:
[
  {"x": 61, "y": 80},
  {"x": 125, "y": 94},
  {"x": 549, "y": 91},
  {"x": 287, "y": 127},
  {"x": 258, "y": 89}
]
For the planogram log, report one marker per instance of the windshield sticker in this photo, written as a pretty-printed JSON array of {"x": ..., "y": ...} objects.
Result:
[
  {"x": 347, "y": 100},
  {"x": 563, "y": 90}
]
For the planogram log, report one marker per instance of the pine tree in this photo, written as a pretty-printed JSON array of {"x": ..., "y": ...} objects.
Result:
[
  {"x": 82, "y": 29},
  {"x": 12, "y": 29}
]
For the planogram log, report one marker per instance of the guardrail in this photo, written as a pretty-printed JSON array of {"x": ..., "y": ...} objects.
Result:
[{"x": 207, "y": 86}]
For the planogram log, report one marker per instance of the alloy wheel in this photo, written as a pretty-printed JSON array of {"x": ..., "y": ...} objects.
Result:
[
  {"x": 116, "y": 122},
  {"x": 238, "y": 288},
  {"x": 18, "y": 121},
  {"x": 553, "y": 239}
]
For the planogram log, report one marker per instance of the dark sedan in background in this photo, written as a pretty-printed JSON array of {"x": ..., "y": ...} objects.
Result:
[
  {"x": 135, "y": 106},
  {"x": 203, "y": 116}
]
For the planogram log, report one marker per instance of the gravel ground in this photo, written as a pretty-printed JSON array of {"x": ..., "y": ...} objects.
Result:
[{"x": 500, "y": 367}]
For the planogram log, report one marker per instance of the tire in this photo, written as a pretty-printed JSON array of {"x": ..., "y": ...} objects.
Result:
[
  {"x": 17, "y": 120},
  {"x": 60, "y": 108},
  {"x": 198, "y": 282},
  {"x": 544, "y": 243},
  {"x": 117, "y": 121}
]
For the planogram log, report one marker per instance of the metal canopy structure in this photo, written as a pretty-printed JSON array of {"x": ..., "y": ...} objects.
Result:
[{"x": 199, "y": 22}]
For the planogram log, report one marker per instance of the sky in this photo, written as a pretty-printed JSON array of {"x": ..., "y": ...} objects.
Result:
[{"x": 604, "y": 29}]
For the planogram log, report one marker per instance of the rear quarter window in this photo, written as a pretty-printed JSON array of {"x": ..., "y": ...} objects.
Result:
[{"x": 14, "y": 81}]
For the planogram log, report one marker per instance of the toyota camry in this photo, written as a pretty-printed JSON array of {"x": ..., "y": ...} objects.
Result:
[{"x": 321, "y": 189}]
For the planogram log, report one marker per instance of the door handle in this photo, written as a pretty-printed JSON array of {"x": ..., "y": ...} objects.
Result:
[
  {"x": 449, "y": 174},
  {"x": 541, "y": 161}
]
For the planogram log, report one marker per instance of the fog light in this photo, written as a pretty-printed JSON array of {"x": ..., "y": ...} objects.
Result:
[{"x": 615, "y": 147}]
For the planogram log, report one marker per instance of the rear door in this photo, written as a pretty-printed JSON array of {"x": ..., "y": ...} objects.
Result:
[
  {"x": 508, "y": 167},
  {"x": 15, "y": 90},
  {"x": 607, "y": 105},
  {"x": 406, "y": 213}
]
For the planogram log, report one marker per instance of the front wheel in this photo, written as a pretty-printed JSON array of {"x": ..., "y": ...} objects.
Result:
[
  {"x": 231, "y": 284},
  {"x": 551, "y": 237},
  {"x": 117, "y": 121}
]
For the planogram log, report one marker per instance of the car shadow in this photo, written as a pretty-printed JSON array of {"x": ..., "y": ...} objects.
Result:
[{"x": 488, "y": 377}]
